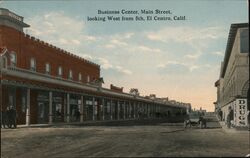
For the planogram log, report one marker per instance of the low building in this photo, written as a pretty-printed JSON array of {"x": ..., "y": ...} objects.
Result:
[{"x": 233, "y": 83}]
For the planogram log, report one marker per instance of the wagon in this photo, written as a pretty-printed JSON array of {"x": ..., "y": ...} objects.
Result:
[{"x": 195, "y": 119}]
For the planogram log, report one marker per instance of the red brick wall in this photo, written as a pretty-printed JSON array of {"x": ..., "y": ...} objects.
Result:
[{"x": 27, "y": 48}]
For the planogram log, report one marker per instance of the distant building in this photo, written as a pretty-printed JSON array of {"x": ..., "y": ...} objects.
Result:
[{"x": 233, "y": 83}]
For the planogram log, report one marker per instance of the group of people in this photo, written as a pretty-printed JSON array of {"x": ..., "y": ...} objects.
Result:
[{"x": 8, "y": 118}]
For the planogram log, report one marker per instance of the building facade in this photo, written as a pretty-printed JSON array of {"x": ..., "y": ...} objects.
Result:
[
  {"x": 46, "y": 84},
  {"x": 233, "y": 83}
]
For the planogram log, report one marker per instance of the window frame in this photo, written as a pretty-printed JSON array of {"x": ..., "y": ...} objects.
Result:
[
  {"x": 13, "y": 64},
  {"x": 32, "y": 68},
  {"x": 60, "y": 71},
  {"x": 47, "y": 71},
  {"x": 80, "y": 77},
  {"x": 70, "y": 74}
]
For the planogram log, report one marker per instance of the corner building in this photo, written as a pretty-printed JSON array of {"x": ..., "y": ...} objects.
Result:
[
  {"x": 233, "y": 83},
  {"x": 46, "y": 84}
]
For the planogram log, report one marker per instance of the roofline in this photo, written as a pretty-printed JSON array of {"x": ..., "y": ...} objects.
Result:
[
  {"x": 230, "y": 42},
  {"x": 7, "y": 16},
  {"x": 60, "y": 49}
]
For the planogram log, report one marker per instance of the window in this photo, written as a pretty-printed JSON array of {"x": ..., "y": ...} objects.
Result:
[
  {"x": 70, "y": 74},
  {"x": 80, "y": 77},
  {"x": 47, "y": 68},
  {"x": 88, "y": 78},
  {"x": 13, "y": 59},
  {"x": 60, "y": 73},
  {"x": 32, "y": 64},
  {"x": 244, "y": 41},
  {"x": 4, "y": 62}
]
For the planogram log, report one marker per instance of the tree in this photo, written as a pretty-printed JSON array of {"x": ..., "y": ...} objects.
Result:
[{"x": 134, "y": 91}]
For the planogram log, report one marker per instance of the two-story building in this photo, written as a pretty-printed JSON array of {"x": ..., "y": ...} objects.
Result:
[{"x": 46, "y": 84}]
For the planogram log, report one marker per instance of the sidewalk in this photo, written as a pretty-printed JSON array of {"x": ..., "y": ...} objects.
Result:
[
  {"x": 127, "y": 122},
  {"x": 233, "y": 129}
]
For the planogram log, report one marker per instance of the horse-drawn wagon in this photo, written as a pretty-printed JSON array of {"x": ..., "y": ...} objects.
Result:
[{"x": 195, "y": 119}]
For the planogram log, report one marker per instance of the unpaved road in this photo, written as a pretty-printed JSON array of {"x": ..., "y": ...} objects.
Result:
[{"x": 124, "y": 141}]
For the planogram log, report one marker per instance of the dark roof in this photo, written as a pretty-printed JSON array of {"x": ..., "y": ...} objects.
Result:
[{"x": 230, "y": 42}]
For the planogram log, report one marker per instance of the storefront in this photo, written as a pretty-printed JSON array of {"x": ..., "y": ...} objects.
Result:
[
  {"x": 42, "y": 107},
  {"x": 58, "y": 107}
]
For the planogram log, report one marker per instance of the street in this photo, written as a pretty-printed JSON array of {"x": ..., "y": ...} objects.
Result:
[{"x": 161, "y": 140}]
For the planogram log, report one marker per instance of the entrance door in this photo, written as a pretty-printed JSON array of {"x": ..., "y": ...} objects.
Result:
[{"x": 42, "y": 112}]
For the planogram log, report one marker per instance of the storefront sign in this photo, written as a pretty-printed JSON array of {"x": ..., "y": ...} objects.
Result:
[{"x": 241, "y": 112}]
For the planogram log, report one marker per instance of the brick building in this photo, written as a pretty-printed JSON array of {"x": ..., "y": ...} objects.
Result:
[{"x": 46, "y": 84}]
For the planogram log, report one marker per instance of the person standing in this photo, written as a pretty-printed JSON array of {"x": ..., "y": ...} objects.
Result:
[
  {"x": 12, "y": 117},
  {"x": 230, "y": 117}
]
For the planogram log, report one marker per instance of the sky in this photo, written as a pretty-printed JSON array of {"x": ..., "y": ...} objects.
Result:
[{"x": 178, "y": 59}]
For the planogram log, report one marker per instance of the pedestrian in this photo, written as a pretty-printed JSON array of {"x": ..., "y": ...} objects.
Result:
[
  {"x": 4, "y": 119},
  {"x": 78, "y": 115},
  {"x": 230, "y": 117},
  {"x": 248, "y": 119},
  {"x": 12, "y": 117},
  {"x": 73, "y": 114},
  {"x": 220, "y": 115}
]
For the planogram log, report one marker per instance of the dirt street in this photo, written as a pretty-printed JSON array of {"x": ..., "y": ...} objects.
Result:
[{"x": 129, "y": 141}]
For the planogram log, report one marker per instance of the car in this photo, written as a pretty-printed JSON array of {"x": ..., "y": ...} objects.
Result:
[{"x": 195, "y": 119}]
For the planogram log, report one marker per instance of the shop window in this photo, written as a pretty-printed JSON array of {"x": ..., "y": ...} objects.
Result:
[
  {"x": 47, "y": 68},
  {"x": 60, "y": 71},
  {"x": 13, "y": 59},
  {"x": 70, "y": 74},
  {"x": 80, "y": 77},
  {"x": 32, "y": 64}
]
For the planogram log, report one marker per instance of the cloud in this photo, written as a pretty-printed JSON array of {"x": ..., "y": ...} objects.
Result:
[
  {"x": 118, "y": 43},
  {"x": 143, "y": 48},
  {"x": 173, "y": 67},
  {"x": 185, "y": 34},
  {"x": 196, "y": 38},
  {"x": 218, "y": 53},
  {"x": 86, "y": 56},
  {"x": 193, "y": 56},
  {"x": 60, "y": 29},
  {"x": 177, "y": 67},
  {"x": 106, "y": 65}
]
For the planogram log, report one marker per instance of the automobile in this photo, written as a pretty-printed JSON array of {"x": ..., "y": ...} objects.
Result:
[{"x": 195, "y": 119}]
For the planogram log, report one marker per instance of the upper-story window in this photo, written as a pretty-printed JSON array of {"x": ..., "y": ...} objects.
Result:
[
  {"x": 80, "y": 77},
  {"x": 47, "y": 68},
  {"x": 60, "y": 71},
  {"x": 13, "y": 59},
  {"x": 70, "y": 74},
  {"x": 88, "y": 78},
  {"x": 33, "y": 64},
  {"x": 244, "y": 41},
  {"x": 4, "y": 62}
]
